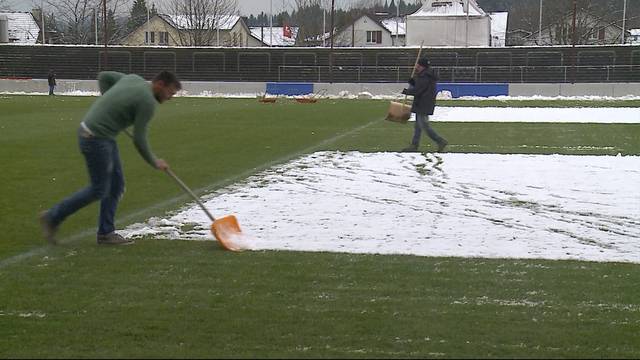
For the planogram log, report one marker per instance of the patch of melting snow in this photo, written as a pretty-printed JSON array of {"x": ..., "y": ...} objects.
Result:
[{"x": 461, "y": 205}]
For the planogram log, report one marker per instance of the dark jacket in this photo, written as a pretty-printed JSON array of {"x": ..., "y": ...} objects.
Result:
[
  {"x": 423, "y": 88},
  {"x": 52, "y": 79}
]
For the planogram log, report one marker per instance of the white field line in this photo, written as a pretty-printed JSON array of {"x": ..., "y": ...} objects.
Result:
[{"x": 175, "y": 200}]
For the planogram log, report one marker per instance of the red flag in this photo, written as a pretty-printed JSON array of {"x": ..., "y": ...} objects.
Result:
[{"x": 286, "y": 31}]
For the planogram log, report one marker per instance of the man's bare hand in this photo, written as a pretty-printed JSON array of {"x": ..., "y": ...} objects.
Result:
[{"x": 161, "y": 165}]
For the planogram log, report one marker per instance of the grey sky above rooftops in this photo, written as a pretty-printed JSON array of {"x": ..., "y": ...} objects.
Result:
[{"x": 246, "y": 7}]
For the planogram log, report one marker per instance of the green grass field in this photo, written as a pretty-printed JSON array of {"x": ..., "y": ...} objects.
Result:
[{"x": 161, "y": 298}]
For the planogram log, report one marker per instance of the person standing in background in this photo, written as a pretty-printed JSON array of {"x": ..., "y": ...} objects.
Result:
[{"x": 51, "y": 78}]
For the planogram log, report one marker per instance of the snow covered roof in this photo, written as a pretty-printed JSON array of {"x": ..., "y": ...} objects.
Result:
[
  {"x": 390, "y": 24},
  {"x": 226, "y": 22},
  {"x": 634, "y": 32},
  {"x": 499, "y": 28},
  {"x": 448, "y": 8},
  {"x": 23, "y": 29},
  {"x": 264, "y": 34}
]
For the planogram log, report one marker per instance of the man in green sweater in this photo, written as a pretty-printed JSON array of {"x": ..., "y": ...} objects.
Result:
[{"x": 127, "y": 100}]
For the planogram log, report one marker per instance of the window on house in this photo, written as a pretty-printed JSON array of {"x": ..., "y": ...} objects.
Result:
[
  {"x": 149, "y": 37},
  {"x": 436, "y": 4},
  {"x": 374, "y": 37},
  {"x": 235, "y": 40},
  {"x": 601, "y": 34},
  {"x": 163, "y": 38}
]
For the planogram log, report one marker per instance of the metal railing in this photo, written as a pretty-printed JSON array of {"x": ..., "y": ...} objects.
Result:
[{"x": 475, "y": 74}]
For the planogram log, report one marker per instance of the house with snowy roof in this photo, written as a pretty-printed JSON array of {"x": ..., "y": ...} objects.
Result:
[
  {"x": 366, "y": 31},
  {"x": 181, "y": 30},
  {"x": 449, "y": 23},
  {"x": 18, "y": 28}
]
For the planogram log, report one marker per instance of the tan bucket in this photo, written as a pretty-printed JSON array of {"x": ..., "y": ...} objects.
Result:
[{"x": 398, "y": 112}]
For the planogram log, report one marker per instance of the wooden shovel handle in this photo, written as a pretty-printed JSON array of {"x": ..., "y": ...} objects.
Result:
[
  {"x": 188, "y": 191},
  {"x": 182, "y": 185},
  {"x": 413, "y": 72}
]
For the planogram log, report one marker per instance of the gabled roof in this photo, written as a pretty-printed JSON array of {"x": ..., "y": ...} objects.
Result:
[
  {"x": 224, "y": 22},
  {"x": 390, "y": 24},
  {"x": 278, "y": 35},
  {"x": 434, "y": 8},
  {"x": 23, "y": 28}
]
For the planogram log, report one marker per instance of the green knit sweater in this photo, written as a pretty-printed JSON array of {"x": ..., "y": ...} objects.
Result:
[{"x": 126, "y": 100}]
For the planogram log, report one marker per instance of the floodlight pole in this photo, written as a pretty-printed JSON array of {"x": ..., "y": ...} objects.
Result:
[
  {"x": 324, "y": 24},
  {"x": 624, "y": 18},
  {"x": 270, "y": 23},
  {"x": 333, "y": 4},
  {"x": 104, "y": 20},
  {"x": 95, "y": 24},
  {"x": 466, "y": 28},
  {"x": 540, "y": 26},
  {"x": 44, "y": 29},
  {"x": 573, "y": 42},
  {"x": 398, "y": 25}
]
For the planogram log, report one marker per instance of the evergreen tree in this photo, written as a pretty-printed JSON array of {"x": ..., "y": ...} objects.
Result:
[{"x": 138, "y": 15}]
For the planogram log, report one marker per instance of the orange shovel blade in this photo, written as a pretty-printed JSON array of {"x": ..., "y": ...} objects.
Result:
[{"x": 227, "y": 231}]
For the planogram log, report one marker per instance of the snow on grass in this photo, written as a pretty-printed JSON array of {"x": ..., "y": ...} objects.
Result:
[{"x": 461, "y": 205}]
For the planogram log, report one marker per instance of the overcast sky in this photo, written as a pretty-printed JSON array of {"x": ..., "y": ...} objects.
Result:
[{"x": 246, "y": 7}]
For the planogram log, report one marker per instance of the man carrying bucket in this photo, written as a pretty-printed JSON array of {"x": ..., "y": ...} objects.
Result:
[
  {"x": 423, "y": 88},
  {"x": 126, "y": 100}
]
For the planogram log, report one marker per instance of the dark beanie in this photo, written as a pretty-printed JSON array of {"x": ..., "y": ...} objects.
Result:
[{"x": 424, "y": 61}]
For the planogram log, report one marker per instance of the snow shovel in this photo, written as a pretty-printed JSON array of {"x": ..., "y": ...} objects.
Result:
[
  {"x": 225, "y": 229},
  {"x": 401, "y": 112}
]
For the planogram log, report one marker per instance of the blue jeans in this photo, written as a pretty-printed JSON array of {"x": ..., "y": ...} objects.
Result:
[
  {"x": 51, "y": 87},
  {"x": 422, "y": 123},
  {"x": 107, "y": 184}
]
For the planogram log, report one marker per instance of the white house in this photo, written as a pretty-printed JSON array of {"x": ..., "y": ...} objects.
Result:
[
  {"x": 449, "y": 23},
  {"x": 22, "y": 27},
  {"x": 364, "y": 32}
]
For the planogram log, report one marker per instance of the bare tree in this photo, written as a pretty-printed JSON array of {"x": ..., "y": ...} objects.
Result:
[
  {"x": 6, "y": 4},
  {"x": 200, "y": 22},
  {"x": 77, "y": 18}
]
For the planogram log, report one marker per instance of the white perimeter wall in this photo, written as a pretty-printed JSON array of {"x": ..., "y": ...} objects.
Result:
[{"x": 376, "y": 89}]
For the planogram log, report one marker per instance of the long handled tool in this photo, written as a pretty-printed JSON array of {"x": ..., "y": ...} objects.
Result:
[
  {"x": 225, "y": 229},
  {"x": 401, "y": 112}
]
